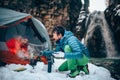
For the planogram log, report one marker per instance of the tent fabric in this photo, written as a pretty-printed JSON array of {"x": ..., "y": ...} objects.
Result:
[
  {"x": 3, "y": 46},
  {"x": 8, "y": 16},
  {"x": 42, "y": 31},
  {"x": 21, "y": 24},
  {"x": 24, "y": 19},
  {"x": 9, "y": 58}
]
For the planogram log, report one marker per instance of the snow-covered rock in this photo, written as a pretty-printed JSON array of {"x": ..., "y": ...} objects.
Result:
[{"x": 40, "y": 73}]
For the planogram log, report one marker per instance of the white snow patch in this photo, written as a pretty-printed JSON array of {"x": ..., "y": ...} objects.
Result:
[{"x": 40, "y": 73}]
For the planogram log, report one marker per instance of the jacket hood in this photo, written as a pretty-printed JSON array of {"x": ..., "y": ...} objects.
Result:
[{"x": 66, "y": 36}]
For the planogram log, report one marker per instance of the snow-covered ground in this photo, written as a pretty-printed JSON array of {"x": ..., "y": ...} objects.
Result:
[{"x": 40, "y": 73}]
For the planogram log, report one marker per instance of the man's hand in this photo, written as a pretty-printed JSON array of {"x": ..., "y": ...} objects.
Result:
[
  {"x": 59, "y": 54},
  {"x": 23, "y": 55},
  {"x": 47, "y": 52}
]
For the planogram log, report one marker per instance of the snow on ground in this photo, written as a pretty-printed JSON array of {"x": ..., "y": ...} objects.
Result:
[{"x": 40, "y": 73}]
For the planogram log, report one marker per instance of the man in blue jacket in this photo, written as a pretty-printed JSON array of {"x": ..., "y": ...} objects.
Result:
[{"x": 69, "y": 47}]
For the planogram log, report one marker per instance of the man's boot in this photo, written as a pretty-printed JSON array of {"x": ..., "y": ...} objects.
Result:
[
  {"x": 73, "y": 73},
  {"x": 85, "y": 69}
]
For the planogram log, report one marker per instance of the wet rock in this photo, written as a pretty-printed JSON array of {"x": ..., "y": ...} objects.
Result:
[
  {"x": 113, "y": 65},
  {"x": 101, "y": 31}
]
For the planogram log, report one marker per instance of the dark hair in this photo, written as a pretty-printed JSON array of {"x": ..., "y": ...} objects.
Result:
[{"x": 59, "y": 30}]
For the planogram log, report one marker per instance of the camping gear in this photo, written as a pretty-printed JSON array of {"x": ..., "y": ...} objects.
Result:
[
  {"x": 13, "y": 23},
  {"x": 20, "y": 69},
  {"x": 37, "y": 55}
]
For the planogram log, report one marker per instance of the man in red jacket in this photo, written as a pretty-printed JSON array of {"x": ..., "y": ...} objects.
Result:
[{"x": 18, "y": 46}]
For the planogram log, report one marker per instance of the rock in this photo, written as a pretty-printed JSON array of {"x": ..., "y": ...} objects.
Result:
[{"x": 113, "y": 65}]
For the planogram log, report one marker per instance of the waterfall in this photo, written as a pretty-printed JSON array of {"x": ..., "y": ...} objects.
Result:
[
  {"x": 108, "y": 38},
  {"x": 97, "y": 20}
]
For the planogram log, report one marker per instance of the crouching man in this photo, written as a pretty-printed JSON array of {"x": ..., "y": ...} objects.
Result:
[{"x": 70, "y": 48}]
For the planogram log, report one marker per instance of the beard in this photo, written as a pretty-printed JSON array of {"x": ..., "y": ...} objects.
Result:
[
  {"x": 58, "y": 41},
  {"x": 24, "y": 45}
]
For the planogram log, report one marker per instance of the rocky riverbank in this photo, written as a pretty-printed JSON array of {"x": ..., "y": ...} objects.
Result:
[{"x": 113, "y": 65}]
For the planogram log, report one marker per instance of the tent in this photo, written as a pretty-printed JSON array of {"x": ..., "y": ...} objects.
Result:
[{"x": 14, "y": 23}]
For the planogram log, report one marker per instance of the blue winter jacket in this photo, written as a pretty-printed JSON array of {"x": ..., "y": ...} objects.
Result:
[{"x": 78, "y": 49}]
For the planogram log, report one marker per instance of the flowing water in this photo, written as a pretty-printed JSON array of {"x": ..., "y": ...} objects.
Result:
[{"x": 97, "y": 20}]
